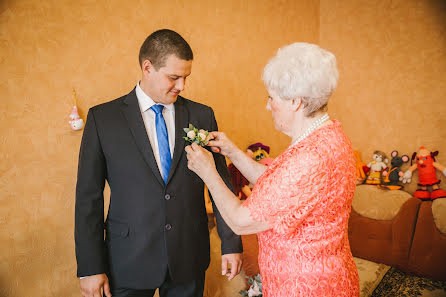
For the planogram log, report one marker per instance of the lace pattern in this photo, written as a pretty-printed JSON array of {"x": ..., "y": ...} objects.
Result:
[{"x": 305, "y": 196}]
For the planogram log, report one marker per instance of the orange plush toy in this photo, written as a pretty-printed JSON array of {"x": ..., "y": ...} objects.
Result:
[
  {"x": 426, "y": 165},
  {"x": 360, "y": 174}
]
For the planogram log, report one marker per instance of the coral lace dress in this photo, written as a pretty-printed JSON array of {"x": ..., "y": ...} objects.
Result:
[{"x": 305, "y": 196}]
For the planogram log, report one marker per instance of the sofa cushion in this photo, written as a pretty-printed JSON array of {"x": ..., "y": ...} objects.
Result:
[
  {"x": 370, "y": 275},
  {"x": 374, "y": 203},
  {"x": 250, "y": 254},
  {"x": 439, "y": 213}
]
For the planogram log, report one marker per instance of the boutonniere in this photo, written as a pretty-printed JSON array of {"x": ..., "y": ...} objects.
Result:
[
  {"x": 199, "y": 136},
  {"x": 255, "y": 289}
]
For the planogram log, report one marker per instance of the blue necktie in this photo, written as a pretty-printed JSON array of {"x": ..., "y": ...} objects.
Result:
[{"x": 163, "y": 141}]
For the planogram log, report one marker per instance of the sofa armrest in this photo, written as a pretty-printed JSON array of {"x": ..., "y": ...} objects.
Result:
[
  {"x": 384, "y": 241},
  {"x": 428, "y": 250}
]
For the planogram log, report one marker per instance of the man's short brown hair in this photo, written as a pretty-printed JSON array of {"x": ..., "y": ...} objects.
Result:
[{"x": 161, "y": 44}]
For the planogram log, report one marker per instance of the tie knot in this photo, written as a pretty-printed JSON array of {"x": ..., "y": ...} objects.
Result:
[{"x": 157, "y": 108}]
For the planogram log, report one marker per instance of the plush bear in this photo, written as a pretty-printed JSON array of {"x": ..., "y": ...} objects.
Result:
[{"x": 426, "y": 165}]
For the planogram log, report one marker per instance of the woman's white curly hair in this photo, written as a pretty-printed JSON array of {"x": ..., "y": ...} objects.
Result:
[{"x": 303, "y": 70}]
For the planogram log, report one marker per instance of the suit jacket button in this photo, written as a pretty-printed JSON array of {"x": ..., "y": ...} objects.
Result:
[
  {"x": 168, "y": 227},
  {"x": 167, "y": 197}
]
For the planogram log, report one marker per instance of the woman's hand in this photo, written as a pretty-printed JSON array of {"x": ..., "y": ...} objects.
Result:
[
  {"x": 222, "y": 144},
  {"x": 200, "y": 161}
]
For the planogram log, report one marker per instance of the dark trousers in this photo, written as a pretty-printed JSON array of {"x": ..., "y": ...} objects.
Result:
[{"x": 168, "y": 288}]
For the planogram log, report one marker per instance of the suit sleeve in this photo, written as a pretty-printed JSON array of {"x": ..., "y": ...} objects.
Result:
[
  {"x": 89, "y": 207},
  {"x": 230, "y": 242}
]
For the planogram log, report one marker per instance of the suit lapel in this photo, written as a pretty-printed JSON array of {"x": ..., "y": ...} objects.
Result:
[
  {"x": 181, "y": 121},
  {"x": 133, "y": 115}
]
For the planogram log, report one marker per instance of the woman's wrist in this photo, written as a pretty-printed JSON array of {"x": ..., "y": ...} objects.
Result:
[
  {"x": 234, "y": 154},
  {"x": 211, "y": 176},
  {"x": 212, "y": 180}
]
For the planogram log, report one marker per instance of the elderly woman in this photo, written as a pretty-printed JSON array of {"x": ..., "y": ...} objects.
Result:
[{"x": 300, "y": 204}]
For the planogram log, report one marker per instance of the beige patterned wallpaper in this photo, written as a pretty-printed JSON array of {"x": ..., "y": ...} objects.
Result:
[
  {"x": 49, "y": 47},
  {"x": 392, "y": 60},
  {"x": 391, "y": 55}
]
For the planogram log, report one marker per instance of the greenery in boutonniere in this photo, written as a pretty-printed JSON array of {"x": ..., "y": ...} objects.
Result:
[
  {"x": 255, "y": 289},
  {"x": 199, "y": 136}
]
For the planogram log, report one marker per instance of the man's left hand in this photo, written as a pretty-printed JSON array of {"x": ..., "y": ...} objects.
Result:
[{"x": 231, "y": 264}]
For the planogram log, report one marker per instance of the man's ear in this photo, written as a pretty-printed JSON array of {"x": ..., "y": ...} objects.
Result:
[
  {"x": 296, "y": 103},
  {"x": 147, "y": 66}
]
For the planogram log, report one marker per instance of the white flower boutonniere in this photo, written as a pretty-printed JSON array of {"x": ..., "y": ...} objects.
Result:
[
  {"x": 255, "y": 289},
  {"x": 199, "y": 136}
]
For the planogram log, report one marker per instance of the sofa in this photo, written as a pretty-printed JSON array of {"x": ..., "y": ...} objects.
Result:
[
  {"x": 390, "y": 228},
  {"x": 393, "y": 228},
  {"x": 427, "y": 256}
]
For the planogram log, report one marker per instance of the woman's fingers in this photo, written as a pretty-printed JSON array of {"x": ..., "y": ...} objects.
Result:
[
  {"x": 188, "y": 150},
  {"x": 215, "y": 143},
  {"x": 192, "y": 148},
  {"x": 216, "y": 134},
  {"x": 195, "y": 151},
  {"x": 220, "y": 144},
  {"x": 216, "y": 149},
  {"x": 199, "y": 160}
]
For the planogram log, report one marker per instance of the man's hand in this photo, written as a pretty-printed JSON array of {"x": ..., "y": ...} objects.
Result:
[
  {"x": 92, "y": 286},
  {"x": 235, "y": 263}
]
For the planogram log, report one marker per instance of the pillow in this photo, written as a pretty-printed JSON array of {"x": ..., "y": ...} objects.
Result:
[
  {"x": 250, "y": 254},
  {"x": 374, "y": 203},
  {"x": 439, "y": 213},
  {"x": 370, "y": 275}
]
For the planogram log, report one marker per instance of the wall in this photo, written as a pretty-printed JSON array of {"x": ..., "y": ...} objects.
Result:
[
  {"x": 50, "y": 47},
  {"x": 392, "y": 60},
  {"x": 391, "y": 94}
]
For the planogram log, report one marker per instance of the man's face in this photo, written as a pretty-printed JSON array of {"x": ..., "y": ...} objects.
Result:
[{"x": 164, "y": 85}]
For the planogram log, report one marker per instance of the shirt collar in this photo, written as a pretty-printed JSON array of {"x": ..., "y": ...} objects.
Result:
[{"x": 145, "y": 102}]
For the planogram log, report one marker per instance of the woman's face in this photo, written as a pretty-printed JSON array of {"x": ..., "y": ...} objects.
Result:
[{"x": 282, "y": 111}]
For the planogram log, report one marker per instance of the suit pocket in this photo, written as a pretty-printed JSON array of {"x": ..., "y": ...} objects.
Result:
[{"x": 116, "y": 229}]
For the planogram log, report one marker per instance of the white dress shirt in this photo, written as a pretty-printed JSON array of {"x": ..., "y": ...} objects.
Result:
[{"x": 148, "y": 115}]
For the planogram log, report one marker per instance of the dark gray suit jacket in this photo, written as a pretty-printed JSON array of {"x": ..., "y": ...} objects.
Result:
[{"x": 150, "y": 226}]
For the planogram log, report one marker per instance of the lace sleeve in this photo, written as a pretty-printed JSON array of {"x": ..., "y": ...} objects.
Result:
[{"x": 287, "y": 195}]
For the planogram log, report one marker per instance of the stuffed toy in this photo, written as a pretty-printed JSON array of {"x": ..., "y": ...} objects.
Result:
[
  {"x": 239, "y": 183},
  {"x": 393, "y": 176},
  {"x": 76, "y": 123},
  {"x": 426, "y": 165},
  {"x": 260, "y": 153},
  {"x": 360, "y": 174},
  {"x": 374, "y": 169}
]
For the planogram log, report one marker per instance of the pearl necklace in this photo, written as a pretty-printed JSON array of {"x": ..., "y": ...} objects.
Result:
[{"x": 310, "y": 129}]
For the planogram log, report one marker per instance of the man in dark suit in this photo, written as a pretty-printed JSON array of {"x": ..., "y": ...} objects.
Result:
[{"x": 156, "y": 227}]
